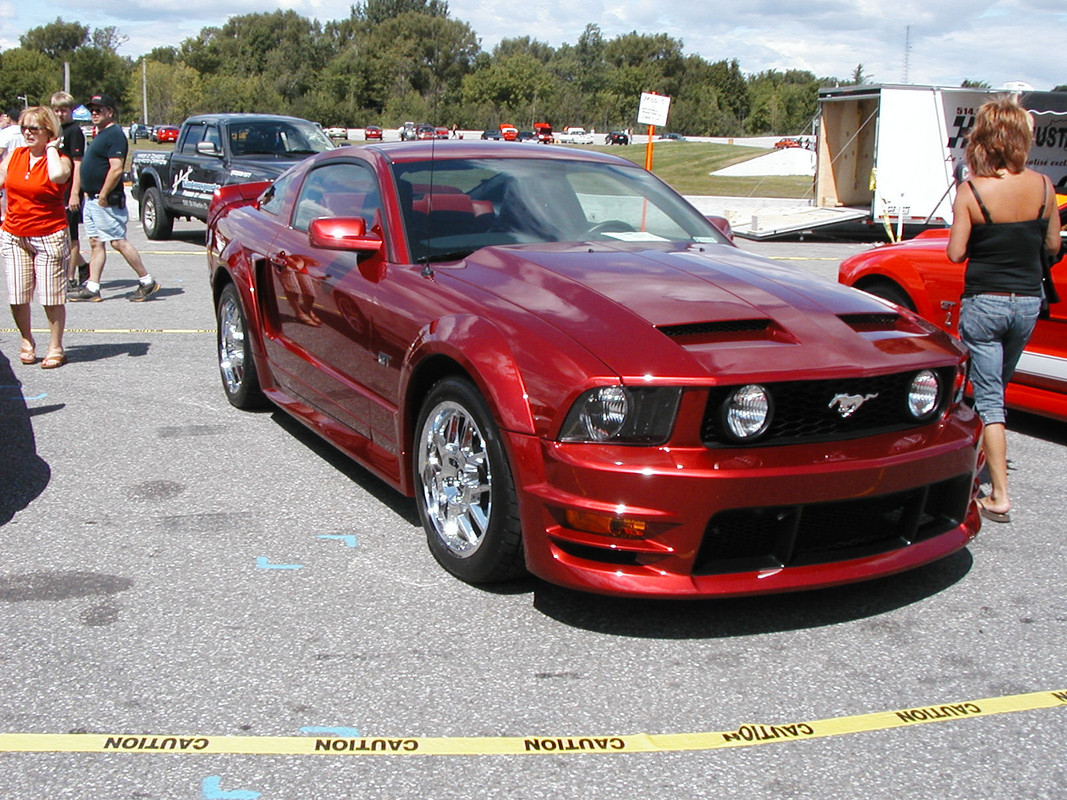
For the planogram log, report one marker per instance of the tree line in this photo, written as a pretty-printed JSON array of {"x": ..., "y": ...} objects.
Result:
[{"x": 397, "y": 60}]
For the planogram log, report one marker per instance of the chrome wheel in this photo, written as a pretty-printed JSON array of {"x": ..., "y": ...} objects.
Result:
[
  {"x": 231, "y": 345},
  {"x": 456, "y": 477},
  {"x": 237, "y": 368}
]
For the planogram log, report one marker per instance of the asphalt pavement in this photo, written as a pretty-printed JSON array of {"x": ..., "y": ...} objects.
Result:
[{"x": 176, "y": 575}]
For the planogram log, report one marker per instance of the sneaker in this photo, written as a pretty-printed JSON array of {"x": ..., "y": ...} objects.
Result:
[
  {"x": 83, "y": 294},
  {"x": 144, "y": 292}
]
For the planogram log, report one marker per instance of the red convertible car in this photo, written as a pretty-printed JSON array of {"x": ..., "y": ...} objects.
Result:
[
  {"x": 576, "y": 374},
  {"x": 917, "y": 274}
]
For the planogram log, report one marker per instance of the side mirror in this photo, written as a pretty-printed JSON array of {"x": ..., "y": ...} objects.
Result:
[
  {"x": 208, "y": 149},
  {"x": 343, "y": 233},
  {"x": 722, "y": 225}
]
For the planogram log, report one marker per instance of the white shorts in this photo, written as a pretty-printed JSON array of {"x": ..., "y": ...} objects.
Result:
[{"x": 36, "y": 262}]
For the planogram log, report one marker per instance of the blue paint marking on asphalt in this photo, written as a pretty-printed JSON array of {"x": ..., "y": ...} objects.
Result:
[
  {"x": 343, "y": 733},
  {"x": 211, "y": 789},
  {"x": 262, "y": 562},
  {"x": 348, "y": 539}
]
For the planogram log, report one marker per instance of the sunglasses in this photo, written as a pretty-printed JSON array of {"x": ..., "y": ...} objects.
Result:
[{"x": 31, "y": 129}]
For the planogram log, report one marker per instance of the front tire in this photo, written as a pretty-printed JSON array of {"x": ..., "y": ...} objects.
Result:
[
  {"x": 891, "y": 292},
  {"x": 237, "y": 367},
  {"x": 464, "y": 487},
  {"x": 155, "y": 219}
]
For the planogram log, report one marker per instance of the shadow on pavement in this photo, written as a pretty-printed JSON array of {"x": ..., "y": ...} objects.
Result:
[
  {"x": 23, "y": 474},
  {"x": 748, "y": 616}
]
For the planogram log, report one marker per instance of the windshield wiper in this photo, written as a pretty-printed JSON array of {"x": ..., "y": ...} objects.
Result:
[{"x": 450, "y": 255}]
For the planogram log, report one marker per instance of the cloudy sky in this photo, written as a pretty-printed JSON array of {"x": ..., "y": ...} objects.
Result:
[{"x": 988, "y": 40}]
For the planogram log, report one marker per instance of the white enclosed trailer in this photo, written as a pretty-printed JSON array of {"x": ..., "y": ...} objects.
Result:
[{"x": 889, "y": 157}]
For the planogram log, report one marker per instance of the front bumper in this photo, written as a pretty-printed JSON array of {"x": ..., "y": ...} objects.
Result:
[{"x": 735, "y": 521}]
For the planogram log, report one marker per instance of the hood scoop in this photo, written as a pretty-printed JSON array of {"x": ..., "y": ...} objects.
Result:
[
  {"x": 723, "y": 331},
  {"x": 871, "y": 322}
]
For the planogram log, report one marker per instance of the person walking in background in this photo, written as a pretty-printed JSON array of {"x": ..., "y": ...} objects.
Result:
[
  {"x": 104, "y": 212},
  {"x": 34, "y": 241},
  {"x": 1002, "y": 219},
  {"x": 72, "y": 146},
  {"x": 10, "y": 138}
]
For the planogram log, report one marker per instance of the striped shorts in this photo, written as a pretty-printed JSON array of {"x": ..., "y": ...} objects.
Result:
[{"x": 36, "y": 262}]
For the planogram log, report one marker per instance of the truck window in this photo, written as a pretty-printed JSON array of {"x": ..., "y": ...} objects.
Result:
[{"x": 194, "y": 134}]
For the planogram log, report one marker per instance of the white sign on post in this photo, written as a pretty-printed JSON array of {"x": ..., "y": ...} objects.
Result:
[{"x": 653, "y": 109}]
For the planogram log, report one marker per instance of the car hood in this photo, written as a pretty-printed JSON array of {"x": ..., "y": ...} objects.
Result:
[{"x": 705, "y": 312}]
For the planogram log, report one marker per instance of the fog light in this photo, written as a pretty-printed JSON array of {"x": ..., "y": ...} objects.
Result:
[
  {"x": 923, "y": 394},
  {"x": 747, "y": 412}
]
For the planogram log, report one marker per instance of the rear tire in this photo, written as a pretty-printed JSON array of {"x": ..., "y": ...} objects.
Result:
[
  {"x": 464, "y": 487},
  {"x": 155, "y": 219}
]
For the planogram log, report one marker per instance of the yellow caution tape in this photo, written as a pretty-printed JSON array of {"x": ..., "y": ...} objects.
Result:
[{"x": 743, "y": 736}]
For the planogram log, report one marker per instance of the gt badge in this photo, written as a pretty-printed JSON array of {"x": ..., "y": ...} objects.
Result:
[{"x": 848, "y": 404}]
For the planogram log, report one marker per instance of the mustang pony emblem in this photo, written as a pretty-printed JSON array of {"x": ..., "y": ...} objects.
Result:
[{"x": 847, "y": 404}]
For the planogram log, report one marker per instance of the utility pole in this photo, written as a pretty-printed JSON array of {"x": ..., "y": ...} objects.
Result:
[
  {"x": 144, "y": 91},
  {"x": 907, "y": 51}
]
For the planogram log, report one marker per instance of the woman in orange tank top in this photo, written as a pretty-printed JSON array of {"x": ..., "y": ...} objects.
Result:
[{"x": 34, "y": 239}]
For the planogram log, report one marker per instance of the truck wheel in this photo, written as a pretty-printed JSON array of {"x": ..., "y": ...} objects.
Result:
[{"x": 156, "y": 221}]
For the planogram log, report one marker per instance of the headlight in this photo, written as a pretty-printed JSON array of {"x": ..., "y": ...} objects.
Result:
[
  {"x": 622, "y": 415},
  {"x": 747, "y": 412},
  {"x": 923, "y": 394}
]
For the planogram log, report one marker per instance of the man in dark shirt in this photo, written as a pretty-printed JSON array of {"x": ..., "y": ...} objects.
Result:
[
  {"x": 104, "y": 213},
  {"x": 72, "y": 145}
]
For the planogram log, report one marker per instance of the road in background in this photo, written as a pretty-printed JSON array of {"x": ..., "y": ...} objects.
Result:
[{"x": 172, "y": 566}]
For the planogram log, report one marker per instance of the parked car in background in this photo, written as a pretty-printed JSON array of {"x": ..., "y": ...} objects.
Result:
[
  {"x": 492, "y": 134},
  {"x": 617, "y": 137},
  {"x": 165, "y": 133},
  {"x": 574, "y": 136},
  {"x": 425, "y": 132},
  {"x": 372, "y": 132},
  {"x": 574, "y": 372},
  {"x": 672, "y": 137},
  {"x": 337, "y": 132},
  {"x": 408, "y": 132},
  {"x": 509, "y": 133},
  {"x": 917, "y": 275},
  {"x": 784, "y": 144},
  {"x": 440, "y": 132},
  {"x": 527, "y": 136},
  {"x": 138, "y": 130},
  {"x": 544, "y": 132}
]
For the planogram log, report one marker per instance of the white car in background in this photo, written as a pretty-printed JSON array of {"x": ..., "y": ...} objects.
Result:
[{"x": 574, "y": 136}]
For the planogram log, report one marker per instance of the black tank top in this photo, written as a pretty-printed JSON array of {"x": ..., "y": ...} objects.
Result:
[{"x": 1005, "y": 256}]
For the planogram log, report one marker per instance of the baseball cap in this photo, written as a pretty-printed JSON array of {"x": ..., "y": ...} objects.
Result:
[{"x": 103, "y": 100}]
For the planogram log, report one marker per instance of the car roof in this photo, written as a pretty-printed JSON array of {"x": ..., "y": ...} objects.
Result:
[
  {"x": 399, "y": 152},
  {"x": 228, "y": 117}
]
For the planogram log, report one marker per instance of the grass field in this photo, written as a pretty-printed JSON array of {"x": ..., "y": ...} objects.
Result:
[{"x": 684, "y": 165}]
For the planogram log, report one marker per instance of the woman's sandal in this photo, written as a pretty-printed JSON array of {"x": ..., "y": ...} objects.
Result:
[
  {"x": 54, "y": 360},
  {"x": 28, "y": 355},
  {"x": 990, "y": 514}
]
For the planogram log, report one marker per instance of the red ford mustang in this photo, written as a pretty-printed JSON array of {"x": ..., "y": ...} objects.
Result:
[
  {"x": 575, "y": 373},
  {"x": 918, "y": 275}
]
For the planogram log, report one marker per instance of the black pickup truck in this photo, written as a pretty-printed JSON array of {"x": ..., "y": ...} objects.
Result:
[{"x": 214, "y": 150}]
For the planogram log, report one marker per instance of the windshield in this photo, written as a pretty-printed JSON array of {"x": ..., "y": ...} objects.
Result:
[
  {"x": 456, "y": 206},
  {"x": 278, "y": 138}
]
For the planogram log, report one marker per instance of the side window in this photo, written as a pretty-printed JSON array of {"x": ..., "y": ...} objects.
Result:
[
  {"x": 194, "y": 134},
  {"x": 271, "y": 201},
  {"x": 212, "y": 135},
  {"x": 338, "y": 190}
]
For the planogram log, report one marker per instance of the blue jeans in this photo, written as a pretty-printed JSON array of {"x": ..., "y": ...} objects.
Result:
[{"x": 995, "y": 329}]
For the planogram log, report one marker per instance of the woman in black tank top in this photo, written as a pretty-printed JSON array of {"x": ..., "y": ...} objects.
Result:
[{"x": 1002, "y": 218}]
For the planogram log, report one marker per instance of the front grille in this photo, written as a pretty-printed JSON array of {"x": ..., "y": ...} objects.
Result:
[
  {"x": 804, "y": 411},
  {"x": 769, "y": 537}
]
